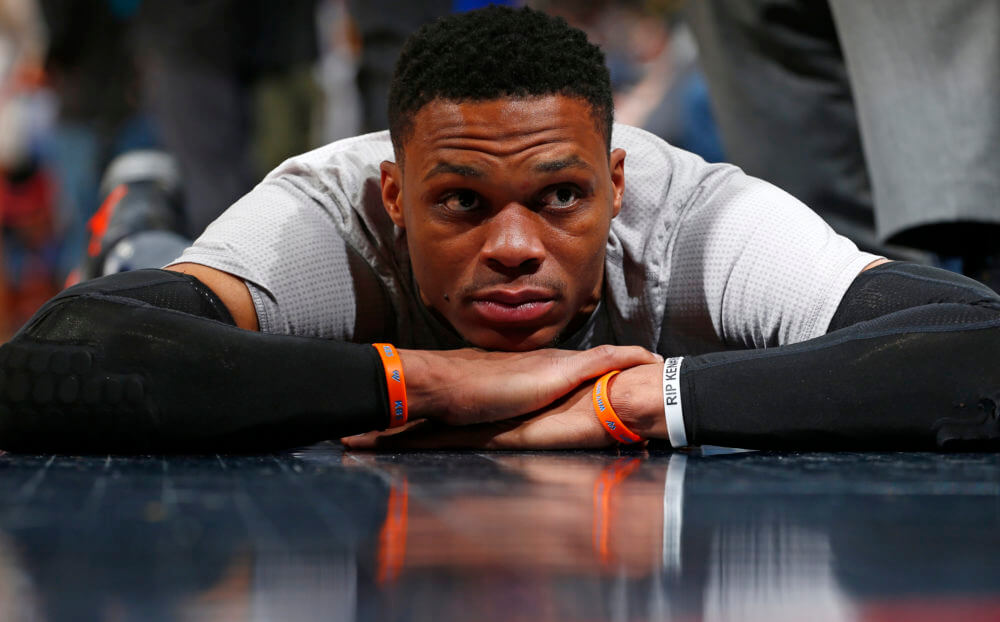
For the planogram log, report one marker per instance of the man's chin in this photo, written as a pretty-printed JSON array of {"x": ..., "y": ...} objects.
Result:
[{"x": 511, "y": 340}]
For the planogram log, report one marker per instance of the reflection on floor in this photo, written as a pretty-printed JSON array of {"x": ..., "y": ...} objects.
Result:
[{"x": 321, "y": 534}]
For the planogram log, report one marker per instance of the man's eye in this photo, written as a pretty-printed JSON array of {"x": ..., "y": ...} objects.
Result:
[
  {"x": 561, "y": 198},
  {"x": 462, "y": 201}
]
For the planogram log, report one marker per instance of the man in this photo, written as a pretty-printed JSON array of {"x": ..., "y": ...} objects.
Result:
[{"x": 496, "y": 224}]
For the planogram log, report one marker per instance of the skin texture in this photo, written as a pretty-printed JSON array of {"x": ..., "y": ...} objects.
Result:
[{"x": 507, "y": 206}]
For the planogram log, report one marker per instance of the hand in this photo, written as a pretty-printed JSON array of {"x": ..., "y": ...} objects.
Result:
[
  {"x": 637, "y": 397},
  {"x": 461, "y": 387},
  {"x": 570, "y": 422}
]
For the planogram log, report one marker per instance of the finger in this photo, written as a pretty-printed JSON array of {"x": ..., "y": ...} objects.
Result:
[
  {"x": 358, "y": 439},
  {"x": 602, "y": 359},
  {"x": 626, "y": 356},
  {"x": 432, "y": 436}
]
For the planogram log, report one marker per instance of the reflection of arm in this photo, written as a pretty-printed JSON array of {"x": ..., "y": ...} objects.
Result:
[{"x": 588, "y": 513}]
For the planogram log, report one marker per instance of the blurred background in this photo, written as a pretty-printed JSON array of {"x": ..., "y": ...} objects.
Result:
[
  {"x": 126, "y": 126},
  {"x": 188, "y": 103}
]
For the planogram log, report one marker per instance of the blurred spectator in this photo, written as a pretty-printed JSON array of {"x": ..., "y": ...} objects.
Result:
[
  {"x": 384, "y": 25},
  {"x": 361, "y": 40},
  {"x": 854, "y": 105},
  {"x": 381, "y": 27},
  {"x": 91, "y": 70},
  {"x": 654, "y": 71},
  {"x": 29, "y": 244},
  {"x": 194, "y": 57},
  {"x": 22, "y": 46},
  {"x": 231, "y": 87},
  {"x": 340, "y": 52},
  {"x": 287, "y": 99}
]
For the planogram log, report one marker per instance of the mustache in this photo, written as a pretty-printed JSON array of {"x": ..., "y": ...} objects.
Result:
[{"x": 557, "y": 286}]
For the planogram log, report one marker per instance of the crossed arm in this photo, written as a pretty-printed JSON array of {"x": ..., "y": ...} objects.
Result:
[
  {"x": 469, "y": 398},
  {"x": 155, "y": 361},
  {"x": 159, "y": 361},
  {"x": 907, "y": 364}
]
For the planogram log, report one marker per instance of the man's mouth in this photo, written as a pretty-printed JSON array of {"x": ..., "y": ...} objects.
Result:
[{"x": 522, "y": 306}]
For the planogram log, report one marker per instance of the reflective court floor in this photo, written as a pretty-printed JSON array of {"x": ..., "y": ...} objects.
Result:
[{"x": 321, "y": 534}]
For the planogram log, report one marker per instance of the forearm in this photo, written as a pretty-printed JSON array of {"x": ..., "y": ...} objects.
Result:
[
  {"x": 104, "y": 372},
  {"x": 152, "y": 361},
  {"x": 901, "y": 383},
  {"x": 908, "y": 364}
]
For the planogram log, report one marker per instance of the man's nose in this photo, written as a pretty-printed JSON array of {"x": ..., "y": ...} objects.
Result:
[{"x": 514, "y": 239}]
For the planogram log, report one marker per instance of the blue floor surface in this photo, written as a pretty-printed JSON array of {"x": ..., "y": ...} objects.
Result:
[{"x": 322, "y": 534}]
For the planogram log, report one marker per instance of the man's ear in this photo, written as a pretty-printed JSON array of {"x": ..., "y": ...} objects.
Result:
[
  {"x": 617, "y": 163},
  {"x": 392, "y": 192}
]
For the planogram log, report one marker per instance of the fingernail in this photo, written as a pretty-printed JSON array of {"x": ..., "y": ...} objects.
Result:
[{"x": 659, "y": 357}]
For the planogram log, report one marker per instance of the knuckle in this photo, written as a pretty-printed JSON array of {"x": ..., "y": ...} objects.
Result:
[
  {"x": 605, "y": 351},
  {"x": 639, "y": 350}
]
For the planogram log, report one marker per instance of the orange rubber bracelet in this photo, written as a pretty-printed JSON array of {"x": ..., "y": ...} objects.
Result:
[
  {"x": 394, "y": 382},
  {"x": 607, "y": 415}
]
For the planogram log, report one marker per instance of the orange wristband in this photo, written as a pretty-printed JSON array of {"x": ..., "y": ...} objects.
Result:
[
  {"x": 607, "y": 415},
  {"x": 394, "y": 382}
]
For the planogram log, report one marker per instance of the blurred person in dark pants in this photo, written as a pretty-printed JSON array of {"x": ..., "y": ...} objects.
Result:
[
  {"x": 226, "y": 81},
  {"x": 95, "y": 81},
  {"x": 881, "y": 116},
  {"x": 195, "y": 84},
  {"x": 384, "y": 25}
]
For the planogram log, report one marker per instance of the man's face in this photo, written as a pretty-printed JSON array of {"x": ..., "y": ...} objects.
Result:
[{"x": 507, "y": 205}]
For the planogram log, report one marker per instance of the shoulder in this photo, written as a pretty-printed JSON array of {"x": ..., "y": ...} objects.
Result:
[
  {"x": 665, "y": 185},
  {"x": 660, "y": 176},
  {"x": 359, "y": 156},
  {"x": 340, "y": 182}
]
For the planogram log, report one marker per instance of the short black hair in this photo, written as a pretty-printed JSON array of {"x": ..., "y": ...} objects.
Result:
[{"x": 492, "y": 53}]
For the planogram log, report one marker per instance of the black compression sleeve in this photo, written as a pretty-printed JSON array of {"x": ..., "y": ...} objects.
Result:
[
  {"x": 910, "y": 362},
  {"x": 151, "y": 361},
  {"x": 895, "y": 286}
]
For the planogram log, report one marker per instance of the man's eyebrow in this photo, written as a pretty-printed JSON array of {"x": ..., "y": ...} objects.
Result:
[
  {"x": 447, "y": 168},
  {"x": 554, "y": 166}
]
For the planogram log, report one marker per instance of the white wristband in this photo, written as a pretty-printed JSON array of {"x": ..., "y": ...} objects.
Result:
[{"x": 672, "y": 401}]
